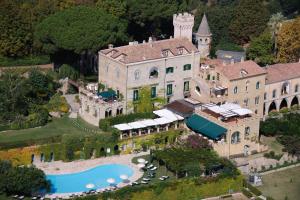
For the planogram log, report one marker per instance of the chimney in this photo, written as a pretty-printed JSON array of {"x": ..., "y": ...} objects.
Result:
[
  {"x": 110, "y": 46},
  {"x": 232, "y": 61},
  {"x": 144, "y": 41},
  {"x": 150, "y": 39},
  {"x": 171, "y": 37},
  {"x": 242, "y": 59}
]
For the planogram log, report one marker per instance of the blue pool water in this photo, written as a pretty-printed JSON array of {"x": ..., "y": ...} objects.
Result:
[{"x": 76, "y": 182}]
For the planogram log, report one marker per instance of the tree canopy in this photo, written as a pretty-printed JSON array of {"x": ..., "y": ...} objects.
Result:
[
  {"x": 79, "y": 29},
  {"x": 249, "y": 20},
  {"x": 288, "y": 41}
]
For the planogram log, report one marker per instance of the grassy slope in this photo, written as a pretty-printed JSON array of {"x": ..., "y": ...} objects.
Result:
[
  {"x": 281, "y": 184},
  {"x": 57, "y": 127}
]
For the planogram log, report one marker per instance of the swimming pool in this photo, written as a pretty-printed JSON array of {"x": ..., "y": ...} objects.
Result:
[{"x": 77, "y": 182}]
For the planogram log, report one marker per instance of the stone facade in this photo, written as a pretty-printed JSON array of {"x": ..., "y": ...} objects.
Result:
[{"x": 183, "y": 25}]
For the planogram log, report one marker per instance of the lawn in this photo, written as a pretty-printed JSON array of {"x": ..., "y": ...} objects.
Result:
[
  {"x": 273, "y": 144},
  {"x": 54, "y": 129},
  {"x": 282, "y": 184}
]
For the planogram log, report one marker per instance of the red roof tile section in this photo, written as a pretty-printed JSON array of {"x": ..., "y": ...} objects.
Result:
[
  {"x": 282, "y": 72},
  {"x": 237, "y": 70},
  {"x": 150, "y": 50}
]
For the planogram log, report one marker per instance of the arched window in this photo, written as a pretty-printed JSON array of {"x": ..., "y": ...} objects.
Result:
[
  {"x": 265, "y": 96},
  {"x": 235, "y": 137},
  {"x": 198, "y": 90},
  {"x": 274, "y": 94},
  {"x": 257, "y": 85},
  {"x": 108, "y": 113},
  {"x": 137, "y": 74},
  {"x": 235, "y": 90},
  {"x": 153, "y": 72},
  {"x": 285, "y": 88},
  {"x": 297, "y": 88}
]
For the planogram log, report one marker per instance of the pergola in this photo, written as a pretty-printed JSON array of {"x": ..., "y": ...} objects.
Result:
[{"x": 148, "y": 126}]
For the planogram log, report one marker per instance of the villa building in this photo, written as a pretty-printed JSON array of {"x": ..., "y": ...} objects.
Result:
[{"x": 181, "y": 73}]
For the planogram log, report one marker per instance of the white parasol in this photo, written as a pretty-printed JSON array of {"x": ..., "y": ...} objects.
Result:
[
  {"x": 123, "y": 177},
  {"x": 111, "y": 180},
  {"x": 90, "y": 186},
  {"x": 141, "y": 160}
]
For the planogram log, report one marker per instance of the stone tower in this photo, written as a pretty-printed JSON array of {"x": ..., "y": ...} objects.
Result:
[
  {"x": 183, "y": 25},
  {"x": 203, "y": 37}
]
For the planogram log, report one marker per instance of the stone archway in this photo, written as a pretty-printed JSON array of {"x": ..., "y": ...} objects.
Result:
[
  {"x": 283, "y": 104},
  {"x": 272, "y": 107},
  {"x": 295, "y": 102}
]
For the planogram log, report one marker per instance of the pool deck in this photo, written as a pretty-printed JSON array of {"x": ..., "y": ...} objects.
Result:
[{"x": 59, "y": 167}]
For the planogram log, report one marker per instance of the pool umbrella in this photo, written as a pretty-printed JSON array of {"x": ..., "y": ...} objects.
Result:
[
  {"x": 111, "y": 181},
  {"x": 124, "y": 177},
  {"x": 90, "y": 186},
  {"x": 141, "y": 160}
]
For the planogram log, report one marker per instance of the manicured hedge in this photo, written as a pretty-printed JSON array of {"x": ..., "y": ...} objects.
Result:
[
  {"x": 106, "y": 123},
  {"x": 246, "y": 193}
]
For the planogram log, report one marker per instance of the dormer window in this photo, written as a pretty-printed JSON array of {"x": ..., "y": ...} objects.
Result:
[
  {"x": 243, "y": 72},
  {"x": 180, "y": 50},
  {"x": 165, "y": 53}
]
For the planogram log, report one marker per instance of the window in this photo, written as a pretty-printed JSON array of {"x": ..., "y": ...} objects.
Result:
[
  {"x": 285, "y": 88},
  {"x": 170, "y": 70},
  {"x": 119, "y": 111},
  {"x": 257, "y": 85},
  {"x": 235, "y": 90},
  {"x": 169, "y": 89},
  {"x": 153, "y": 73},
  {"x": 218, "y": 76},
  {"x": 246, "y": 102},
  {"x": 297, "y": 88},
  {"x": 153, "y": 92},
  {"x": 186, "y": 86},
  {"x": 247, "y": 131},
  {"x": 165, "y": 53},
  {"x": 135, "y": 95},
  {"x": 213, "y": 78},
  {"x": 247, "y": 84},
  {"x": 256, "y": 100},
  {"x": 118, "y": 94},
  {"x": 108, "y": 113},
  {"x": 208, "y": 77},
  {"x": 274, "y": 94},
  {"x": 137, "y": 74},
  {"x": 187, "y": 67},
  {"x": 265, "y": 96},
  {"x": 180, "y": 51},
  {"x": 198, "y": 90},
  {"x": 235, "y": 138}
]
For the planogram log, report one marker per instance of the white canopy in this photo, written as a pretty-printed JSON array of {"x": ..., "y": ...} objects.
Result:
[
  {"x": 230, "y": 106},
  {"x": 123, "y": 127},
  {"x": 208, "y": 105},
  {"x": 163, "y": 120},
  {"x": 217, "y": 109},
  {"x": 90, "y": 186},
  {"x": 123, "y": 177},
  {"x": 111, "y": 180},
  {"x": 149, "y": 122},
  {"x": 168, "y": 114},
  {"x": 136, "y": 125},
  {"x": 220, "y": 88},
  {"x": 242, "y": 111},
  {"x": 141, "y": 160},
  {"x": 228, "y": 114}
]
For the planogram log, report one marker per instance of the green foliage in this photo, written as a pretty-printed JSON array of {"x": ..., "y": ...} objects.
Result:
[
  {"x": 79, "y": 29},
  {"x": 261, "y": 49},
  {"x": 104, "y": 124},
  {"x": 272, "y": 155},
  {"x": 22, "y": 180},
  {"x": 67, "y": 71},
  {"x": 58, "y": 103},
  {"x": 24, "y": 61},
  {"x": 227, "y": 46},
  {"x": 115, "y": 7},
  {"x": 250, "y": 18},
  {"x": 246, "y": 193}
]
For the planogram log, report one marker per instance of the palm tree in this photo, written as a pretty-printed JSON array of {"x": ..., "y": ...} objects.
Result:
[{"x": 274, "y": 25}]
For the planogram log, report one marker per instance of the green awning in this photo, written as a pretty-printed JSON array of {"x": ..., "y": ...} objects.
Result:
[
  {"x": 203, "y": 126},
  {"x": 108, "y": 94}
]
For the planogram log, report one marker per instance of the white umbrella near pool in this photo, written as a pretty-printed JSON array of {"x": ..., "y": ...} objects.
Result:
[
  {"x": 141, "y": 160},
  {"x": 111, "y": 181},
  {"x": 124, "y": 177},
  {"x": 90, "y": 186}
]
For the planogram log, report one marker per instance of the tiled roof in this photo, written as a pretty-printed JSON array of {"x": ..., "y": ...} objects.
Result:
[
  {"x": 281, "y": 72},
  {"x": 150, "y": 50},
  {"x": 237, "y": 70}
]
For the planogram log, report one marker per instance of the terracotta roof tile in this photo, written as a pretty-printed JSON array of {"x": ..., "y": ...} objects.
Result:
[
  {"x": 281, "y": 72},
  {"x": 149, "y": 51},
  {"x": 237, "y": 70}
]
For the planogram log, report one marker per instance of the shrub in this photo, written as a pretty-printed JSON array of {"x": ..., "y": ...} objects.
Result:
[
  {"x": 254, "y": 190},
  {"x": 284, "y": 110},
  {"x": 32, "y": 60},
  {"x": 246, "y": 193},
  {"x": 68, "y": 71}
]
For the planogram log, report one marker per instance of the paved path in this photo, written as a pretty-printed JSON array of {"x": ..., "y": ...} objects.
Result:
[{"x": 72, "y": 102}]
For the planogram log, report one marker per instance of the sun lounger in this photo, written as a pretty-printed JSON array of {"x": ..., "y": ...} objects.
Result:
[
  {"x": 144, "y": 182},
  {"x": 165, "y": 177},
  {"x": 15, "y": 196},
  {"x": 146, "y": 162},
  {"x": 154, "y": 168},
  {"x": 21, "y": 197},
  {"x": 150, "y": 166},
  {"x": 136, "y": 183},
  {"x": 161, "y": 178},
  {"x": 146, "y": 179}
]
